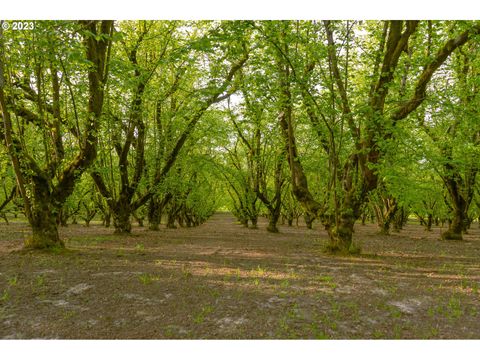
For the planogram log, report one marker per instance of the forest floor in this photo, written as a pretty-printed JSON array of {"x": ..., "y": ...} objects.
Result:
[{"x": 223, "y": 281}]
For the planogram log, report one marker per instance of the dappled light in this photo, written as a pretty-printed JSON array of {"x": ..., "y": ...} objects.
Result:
[{"x": 191, "y": 283}]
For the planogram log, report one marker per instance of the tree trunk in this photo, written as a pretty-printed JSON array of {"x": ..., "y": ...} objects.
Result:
[
  {"x": 385, "y": 224},
  {"x": 154, "y": 214},
  {"x": 254, "y": 220},
  {"x": 121, "y": 220},
  {"x": 138, "y": 219},
  {"x": 180, "y": 221},
  {"x": 400, "y": 219},
  {"x": 44, "y": 230},
  {"x": 272, "y": 221},
  {"x": 364, "y": 218},
  {"x": 309, "y": 220},
  {"x": 171, "y": 220},
  {"x": 341, "y": 234},
  {"x": 188, "y": 220},
  {"x": 44, "y": 237},
  {"x": 455, "y": 227},
  {"x": 428, "y": 225},
  {"x": 107, "y": 218},
  {"x": 385, "y": 209},
  {"x": 63, "y": 217}
]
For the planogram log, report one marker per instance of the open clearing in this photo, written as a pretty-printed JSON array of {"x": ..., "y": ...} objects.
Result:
[{"x": 223, "y": 281}]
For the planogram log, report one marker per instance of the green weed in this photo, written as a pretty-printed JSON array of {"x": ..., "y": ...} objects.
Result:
[
  {"x": 145, "y": 279},
  {"x": 317, "y": 333},
  {"x": 40, "y": 280},
  {"x": 328, "y": 280},
  {"x": 260, "y": 271},
  {"x": 13, "y": 281},
  {"x": 140, "y": 248},
  {"x": 69, "y": 314},
  {"x": 5, "y": 296},
  {"x": 433, "y": 333},
  {"x": 454, "y": 308},
  {"x": 200, "y": 317},
  {"x": 186, "y": 272},
  {"x": 397, "y": 331}
]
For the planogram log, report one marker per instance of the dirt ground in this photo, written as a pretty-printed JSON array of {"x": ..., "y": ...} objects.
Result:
[{"x": 223, "y": 281}]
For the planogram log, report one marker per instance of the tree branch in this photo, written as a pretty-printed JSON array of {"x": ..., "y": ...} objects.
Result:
[{"x": 421, "y": 87}]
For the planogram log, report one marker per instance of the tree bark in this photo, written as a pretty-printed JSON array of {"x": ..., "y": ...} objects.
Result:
[
  {"x": 121, "y": 220},
  {"x": 44, "y": 218}
]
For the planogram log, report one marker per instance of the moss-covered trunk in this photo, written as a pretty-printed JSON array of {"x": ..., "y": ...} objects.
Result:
[
  {"x": 254, "y": 220},
  {"x": 273, "y": 218},
  {"x": 456, "y": 226},
  {"x": 154, "y": 214},
  {"x": 121, "y": 219},
  {"x": 43, "y": 217},
  {"x": 44, "y": 232},
  {"x": 309, "y": 220},
  {"x": 341, "y": 234}
]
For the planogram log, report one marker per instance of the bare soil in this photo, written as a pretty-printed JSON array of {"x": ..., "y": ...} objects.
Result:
[{"x": 223, "y": 281}]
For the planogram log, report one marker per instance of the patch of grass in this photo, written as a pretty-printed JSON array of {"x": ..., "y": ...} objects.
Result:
[
  {"x": 68, "y": 314},
  {"x": 327, "y": 280},
  {"x": 317, "y": 333},
  {"x": 140, "y": 248},
  {"x": 433, "y": 332},
  {"x": 329, "y": 322},
  {"x": 391, "y": 288},
  {"x": 354, "y": 249},
  {"x": 186, "y": 272},
  {"x": 169, "y": 332},
  {"x": 454, "y": 308},
  {"x": 13, "y": 281},
  {"x": 475, "y": 287},
  {"x": 238, "y": 274},
  {"x": 57, "y": 250},
  {"x": 395, "y": 313},
  {"x": 89, "y": 240},
  {"x": 469, "y": 286},
  {"x": 145, "y": 279},
  {"x": 260, "y": 271},
  {"x": 331, "y": 249},
  {"x": 352, "y": 310},
  {"x": 285, "y": 328},
  {"x": 200, "y": 317},
  {"x": 40, "y": 280},
  {"x": 5, "y": 296},
  {"x": 214, "y": 293},
  {"x": 335, "y": 307},
  {"x": 392, "y": 310},
  {"x": 397, "y": 331}
]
